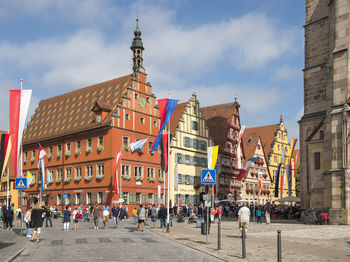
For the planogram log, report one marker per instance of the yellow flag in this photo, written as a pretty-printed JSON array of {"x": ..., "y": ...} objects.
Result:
[{"x": 212, "y": 156}]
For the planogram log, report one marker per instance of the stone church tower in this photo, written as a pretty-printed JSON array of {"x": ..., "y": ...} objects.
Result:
[{"x": 324, "y": 127}]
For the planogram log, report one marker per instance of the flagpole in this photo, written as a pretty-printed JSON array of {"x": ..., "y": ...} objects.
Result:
[
  {"x": 8, "y": 180},
  {"x": 168, "y": 200},
  {"x": 20, "y": 157}
]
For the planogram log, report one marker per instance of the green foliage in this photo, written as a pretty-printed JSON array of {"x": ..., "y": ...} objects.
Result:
[{"x": 297, "y": 182}]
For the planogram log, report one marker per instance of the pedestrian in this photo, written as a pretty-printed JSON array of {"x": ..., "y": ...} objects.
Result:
[
  {"x": 141, "y": 215},
  {"x": 48, "y": 216},
  {"x": 267, "y": 212},
  {"x": 27, "y": 219},
  {"x": 134, "y": 215},
  {"x": 199, "y": 216},
  {"x": 105, "y": 214},
  {"x": 3, "y": 218},
  {"x": 36, "y": 219},
  {"x": 115, "y": 214},
  {"x": 243, "y": 219},
  {"x": 75, "y": 217},
  {"x": 126, "y": 213},
  {"x": 9, "y": 215},
  {"x": 96, "y": 213},
  {"x": 212, "y": 215},
  {"x": 66, "y": 219},
  {"x": 258, "y": 216},
  {"x": 162, "y": 214},
  {"x": 153, "y": 216},
  {"x": 171, "y": 213}
]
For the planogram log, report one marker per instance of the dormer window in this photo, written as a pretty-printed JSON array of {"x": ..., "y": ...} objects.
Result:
[{"x": 98, "y": 118}]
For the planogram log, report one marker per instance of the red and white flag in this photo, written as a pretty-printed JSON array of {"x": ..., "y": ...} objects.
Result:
[
  {"x": 118, "y": 156},
  {"x": 19, "y": 104},
  {"x": 41, "y": 155}
]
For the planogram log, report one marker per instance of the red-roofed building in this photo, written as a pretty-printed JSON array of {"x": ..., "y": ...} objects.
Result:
[
  {"x": 224, "y": 126},
  {"x": 81, "y": 132}
]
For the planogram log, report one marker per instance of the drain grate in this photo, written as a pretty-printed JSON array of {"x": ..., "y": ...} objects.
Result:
[
  {"x": 104, "y": 240},
  {"x": 56, "y": 242},
  {"x": 81, "y": 241},
  {"x": 127, "y": 240}
]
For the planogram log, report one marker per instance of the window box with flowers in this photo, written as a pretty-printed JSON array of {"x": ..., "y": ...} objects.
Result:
[
  {"x": 196, "y": 186},
  {"x": 99, "y": 148},
  {"x": 249, "y": 190},
  {"x": 67, "y": 180},
  {"x": 126, "y": 177},
  {"x": 88, "y": 178},
  {"x": 139, "y": 151},
  {"x": 77, "y": 152},
  {"x": 151, "y": 179},
  {"x": 268, "y": 192},
  {"x": 77, "y": 178},
  {"x": 59, "y": 154},
  {"x": 100, "y": 177},
  {"x": 139, "y": 178},
  {"x": 32, "y": 159},
  {"x": 88, "y": 150},
  {"x": 126, "y": 147},
  {"x": 265, "y": 175},
  {"x": 161, "y": 180},
  {"x": 58, "y": 180},
  {"x": 67, "y": 154},
  {"x": 25, "y": 161},
  {"x": 49, "y": 156}
]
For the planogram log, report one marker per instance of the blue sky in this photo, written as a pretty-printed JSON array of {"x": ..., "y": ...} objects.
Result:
[{"x": 251, "y": 49}]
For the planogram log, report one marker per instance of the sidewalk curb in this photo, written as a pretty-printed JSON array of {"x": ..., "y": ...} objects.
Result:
[
  {"x": 17, "y": 254},
  {"x": 174, "y": 240}
]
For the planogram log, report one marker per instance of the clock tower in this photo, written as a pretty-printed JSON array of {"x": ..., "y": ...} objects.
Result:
[{"x": 137, "y": 49}]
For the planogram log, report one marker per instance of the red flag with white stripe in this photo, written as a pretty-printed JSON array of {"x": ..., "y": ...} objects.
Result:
[{"x": 117, "y": 158}]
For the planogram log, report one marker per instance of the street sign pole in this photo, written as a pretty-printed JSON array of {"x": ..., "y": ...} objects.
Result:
[{"x": 21, "y": 192}]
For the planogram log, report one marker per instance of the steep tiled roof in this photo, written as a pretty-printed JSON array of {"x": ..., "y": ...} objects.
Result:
[
  {"x": 218, "y": 119},
  {"x": 266, "y": 133},
  {"x": 249, "y": 146},
  {"x": 71, "y": 112},
  {"x": 176, "y": 116}
]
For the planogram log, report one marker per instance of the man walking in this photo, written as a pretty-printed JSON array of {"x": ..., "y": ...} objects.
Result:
[
  {"x": 199, "y": 216},
  {"x": 162, "y": 213},
  {"x": 48, "y": 216},
  {"x": 267, "y": 212},
  {"x": 243, "y": 219},
  {"x": 115, "y": 214},
  {"x": 96, "y": 214}
]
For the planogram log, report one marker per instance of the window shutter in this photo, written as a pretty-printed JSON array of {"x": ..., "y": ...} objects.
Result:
[
  {"x": 95, "y": 197},
  {"x": 84, "y": 198},
  {"x": 55, "y": 200},
  {"x": 183, "y": 179},
  {"x": 191, "y": 180},
  {"x": 103, "y": 198},
  {"x": 81, "y": 198},
  {"x": 190, "y": 142}
]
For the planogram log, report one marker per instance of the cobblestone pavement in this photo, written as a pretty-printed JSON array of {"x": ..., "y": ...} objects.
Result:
[
  {"x": 299, "y": 242},
  {"x": 122, "y": 244}
]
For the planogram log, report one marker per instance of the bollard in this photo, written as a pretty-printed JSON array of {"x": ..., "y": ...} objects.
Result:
[
  {"x": 219, "y": 235},
  {"x": 279, "y": 246},
  {"x": 244, "y": 254}
]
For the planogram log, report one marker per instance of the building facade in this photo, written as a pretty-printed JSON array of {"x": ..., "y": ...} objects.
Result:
[
  {"x": 257, "y": 171},
  {"x": 188, "y": 152},
  {"x": 324, "y": 127},
  {"x": 275, "y": 140},
  {"x": 224, "y": 126},
  {"x": 83, "y": 130}
]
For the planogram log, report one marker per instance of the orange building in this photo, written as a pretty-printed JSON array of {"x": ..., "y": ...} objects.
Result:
[{"x": 81, "y": 132}]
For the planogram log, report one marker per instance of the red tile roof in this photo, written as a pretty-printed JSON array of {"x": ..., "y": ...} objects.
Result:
[
  {"x": 71, "y": 112},
  {"x": 176, "y": 116},
  {"x": 249, "y": 147},
  {"x": 267, "y": 135},
  {"x": 218, "y": 119}
]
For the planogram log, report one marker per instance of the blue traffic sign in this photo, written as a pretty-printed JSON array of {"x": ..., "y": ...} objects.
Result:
[
  {"x": 21, "y": 183},
  {"x": 208, "y": 176},
  {"x": 65, "y": 195}
]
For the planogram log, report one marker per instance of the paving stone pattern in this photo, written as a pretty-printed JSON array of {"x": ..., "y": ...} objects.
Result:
[{"x": 121, "y": 244}]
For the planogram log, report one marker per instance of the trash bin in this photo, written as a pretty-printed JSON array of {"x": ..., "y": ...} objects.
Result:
[{"x": 204, "y": 228}]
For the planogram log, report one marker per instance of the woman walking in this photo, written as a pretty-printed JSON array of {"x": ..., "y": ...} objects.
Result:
[
  {"x": 75, "y": 217},
  {"x": 36, "y": 219},
  {"x": 27, "y": 219},
  {"x": 66, "y": 219}
]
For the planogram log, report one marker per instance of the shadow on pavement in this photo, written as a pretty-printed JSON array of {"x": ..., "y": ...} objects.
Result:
[{"x": 5, "y": 245}]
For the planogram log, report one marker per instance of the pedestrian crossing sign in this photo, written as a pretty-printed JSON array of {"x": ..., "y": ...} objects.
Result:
[
  {"x": 208, "y": 176},
  {"x": 21, "y": 183}
]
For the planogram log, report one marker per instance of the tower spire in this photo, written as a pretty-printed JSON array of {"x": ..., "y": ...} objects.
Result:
[{"x": 137, "y": 49}]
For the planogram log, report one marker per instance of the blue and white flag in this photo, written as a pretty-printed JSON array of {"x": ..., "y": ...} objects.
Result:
[{"x": 138, "y": 144}]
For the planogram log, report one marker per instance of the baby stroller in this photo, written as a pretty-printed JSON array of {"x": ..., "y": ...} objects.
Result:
[
  {"x": 180, "y": 218},
  {"x": 192, "y": 219}
]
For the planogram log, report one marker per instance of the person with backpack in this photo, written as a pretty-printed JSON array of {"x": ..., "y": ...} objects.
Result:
[
  {"x": 75, "y": 217},
  {"x": 9, "y": 215},
  {"x": 258, "y": 216},
  {"x": 36, "y": 219},
  {"x": 66, "y": 219}
]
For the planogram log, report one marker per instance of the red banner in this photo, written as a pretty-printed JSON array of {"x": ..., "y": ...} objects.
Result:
[{"x": 15, "y": 108}]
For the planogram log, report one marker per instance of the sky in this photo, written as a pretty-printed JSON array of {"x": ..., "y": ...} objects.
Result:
[{"x": 252, "y": 50}]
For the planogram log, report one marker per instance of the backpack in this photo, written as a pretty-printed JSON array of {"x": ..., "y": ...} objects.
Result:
[{"x": 76, "y": 217}]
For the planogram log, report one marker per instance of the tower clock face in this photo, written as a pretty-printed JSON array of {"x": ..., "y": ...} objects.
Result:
[{"x": 142, "y": 102}]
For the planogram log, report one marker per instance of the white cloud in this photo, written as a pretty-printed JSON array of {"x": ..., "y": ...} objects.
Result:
[{"x": 287, "y": 72}]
